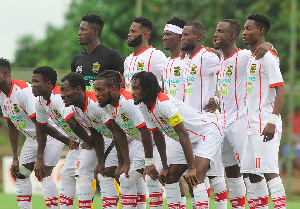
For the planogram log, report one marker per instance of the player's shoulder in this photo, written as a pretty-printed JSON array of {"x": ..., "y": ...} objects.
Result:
[
  {"x": 20, "y": 83},
  {"x": 109, "y": 50},
  {"x": 91, "y": 95},
  {"x": 270, "y": 56}
]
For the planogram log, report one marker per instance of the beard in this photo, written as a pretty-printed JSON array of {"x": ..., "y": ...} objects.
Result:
[
  {"x": 135, "y": 42},
  {"x": 108, "y": 101},
  {"x": 188, "y": 46},
  {"x": 138, "y": 101}
]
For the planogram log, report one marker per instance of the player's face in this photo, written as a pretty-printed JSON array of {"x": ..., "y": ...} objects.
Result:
[
  {"x": 251, "y": 32},
  {"x": 188, "y": 39},
  {"x": 135, "y": 36},
  {"x": 171, "y": 40},
  {"x": 68, "y": 94},
  {"x": 102, "y": 93},
  {"x": 39, "y": 85},
  {"x": 136, "y": 91},
  {"x": 222, "y": 35},
  {"x": 85, "y": 33}
]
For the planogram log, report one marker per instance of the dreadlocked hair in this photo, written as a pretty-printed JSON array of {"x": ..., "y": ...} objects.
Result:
[
  {"x": 112, "y": 77},
  {"x": 149, "y": 84}
]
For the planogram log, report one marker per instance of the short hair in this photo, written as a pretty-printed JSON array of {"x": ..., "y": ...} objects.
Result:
[
  {"x": 5, "y": 64},
  {"x": 149, "y": 84},
  {"x": 198, "y": 28},
  {"x": 145, "y": 22},
  {"x": 262, "y": 21},
  {"x": 96, "y": 21},
  {"x": 177, "y": 21},
  {"x": 48, "y": 73},
  {"x": 234, "y": 26},
  {"x": 112, "y": 77},
  {"x": 75, "y": 80}
]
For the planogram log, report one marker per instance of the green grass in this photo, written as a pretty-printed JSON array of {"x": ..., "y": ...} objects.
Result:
[{"x": 10, "y": 202}]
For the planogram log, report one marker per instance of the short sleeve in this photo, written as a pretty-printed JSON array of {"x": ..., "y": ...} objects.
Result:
[
  {"x": 271, "y": 64},
  {"x": 158, "y": 59},
  {"x": 211, "y": 63},
  {"x": 26, "y": 98},
  {"x": 41, "y": 113}
]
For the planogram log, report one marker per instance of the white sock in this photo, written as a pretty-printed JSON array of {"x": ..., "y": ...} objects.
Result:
[
  {"x": 183, "y": 202},
  {"x": 237, "y": 192},
  {"x": 201, "y": 196},
  {"x": 277, "y": 192},
  {"x": 85, "y": 192},
  {"x": 173, "y": 195},
  {"x": 220, "y": 191},
  {"x": 24, "y": 193},
  {"x": 67, "y": 191},
  {"x": 109, "y": 193},
  {"x": 250, "y": 196},
  {"x": 155, "y": 190},
  {"x": 260, "y": 194},
  {"x": 141, "y": 189},
  {"x": 50, "y": 192},
  {"x": 193, "y": 202},
  {"x": 128, "y": 191}
]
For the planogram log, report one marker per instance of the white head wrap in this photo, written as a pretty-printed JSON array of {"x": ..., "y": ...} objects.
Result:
[{"x": 173, "y": 28}]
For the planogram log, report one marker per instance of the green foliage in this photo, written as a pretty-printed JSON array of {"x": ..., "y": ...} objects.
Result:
[{"x": 60, "y": 44}]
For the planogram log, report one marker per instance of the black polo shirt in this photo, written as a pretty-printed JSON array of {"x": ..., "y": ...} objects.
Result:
[{"x": 102, "y": 58}]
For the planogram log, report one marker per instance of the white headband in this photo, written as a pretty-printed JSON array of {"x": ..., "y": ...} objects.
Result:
[{"x": 173, "y": 28}]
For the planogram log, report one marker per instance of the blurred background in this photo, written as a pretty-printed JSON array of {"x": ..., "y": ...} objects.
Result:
[{"x": 40, "y": 32}]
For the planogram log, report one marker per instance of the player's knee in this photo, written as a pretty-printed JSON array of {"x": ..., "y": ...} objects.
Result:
[
  {"x": 83, "y": 181},
  {"x": 105, "y": 181},
  {"x": 67, "y": 179}
]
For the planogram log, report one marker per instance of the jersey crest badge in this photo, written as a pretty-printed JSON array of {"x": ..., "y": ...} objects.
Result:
[
  {"x": 57, "y": 114},
  {"x": 252, "y": 69},
  {"x": 140, "y": 65},
  {"x": 162, "y": 120},
  {"x": 193, "y": 69},
  {"x": 96, "y": 67},
  {"x": 177, "y": 71},
  {"x": 124, "y": 117},
  {"x": 16, "y": 109},
  {"x": 229, "y": 71}
]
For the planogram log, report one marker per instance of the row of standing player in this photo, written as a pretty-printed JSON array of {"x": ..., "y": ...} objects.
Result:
[{"x": 193, "y": 33}]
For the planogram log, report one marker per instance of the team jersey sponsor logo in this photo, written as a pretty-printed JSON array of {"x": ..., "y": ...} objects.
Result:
[
  {"x": 193, "y": 70},
  {"x": 172, "y": 91},
  {"x": 177, "y": 71},
  {"x": 189, "y": 88},
  {"x": 96, "y": 67},
  {"x": 229, "y": 71},
  {"x": 140, "y": 65},
  {"x": 66, "y": 128},
  {"x": 132, "y": 132},
  {"x": 124, "y": 117},
  {"x": 224, "y": 80},
  {"x": 223, "y": 90},
  {"x": 176, "y": 119},
  {"x": 16, "y": 108},
  {"x": 20, "y": 124},
  {"x": 79, "y": 69},
  {"x": 252, "y": 69},
  {"x": 57, "y": 114},
  {"x": 91, "y": 86},
  {"x": 249, "y": 87}
]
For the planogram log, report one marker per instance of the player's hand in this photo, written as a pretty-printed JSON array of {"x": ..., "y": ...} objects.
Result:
[
  {"x": 211, "y": 106},
  {"x": 73, "y": 144},
  {"x": 118, "y": 173},
  {"x": 125, "y": 169},
  {"x": 261, "y": 50},
  {"x": 268, "y": 132},
  {"x": 99, "y": 169},
  {"x": 39, "y": 169},
  {"x": 14, "y": 169},
  {"x": 191, "y": 178},
  {"x": 162, "y": 177},
  {"x": 86, "y": 146},
  {"x": 150, "y": 171}
]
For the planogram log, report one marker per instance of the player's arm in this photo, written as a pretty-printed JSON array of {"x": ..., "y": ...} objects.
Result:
[
  {"x": 262, "y": 49},
  {"x": 79, "y": 131},
  {"x": 176, "y": 122},
  {"x": 150, "y": 169},
  {"x": 269, "y": 130},
  {"x": 98, "y": 142},
  {"x": 160, "y": 143},
  {"x": 14, "y": 137},
  {"x": 121, "y": 139}
]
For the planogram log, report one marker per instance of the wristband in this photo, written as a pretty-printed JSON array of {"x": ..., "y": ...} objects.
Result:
[
  {"x": 273, "y": 119},
  {"x": 148, "y": 161},
  {"x": 217, "y": 99}
]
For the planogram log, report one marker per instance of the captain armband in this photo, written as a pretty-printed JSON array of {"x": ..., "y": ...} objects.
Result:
[{"x": 175, "y": 120}]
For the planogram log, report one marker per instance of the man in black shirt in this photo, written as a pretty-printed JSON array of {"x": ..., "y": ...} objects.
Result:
[{"x": 96, "y": 57}]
